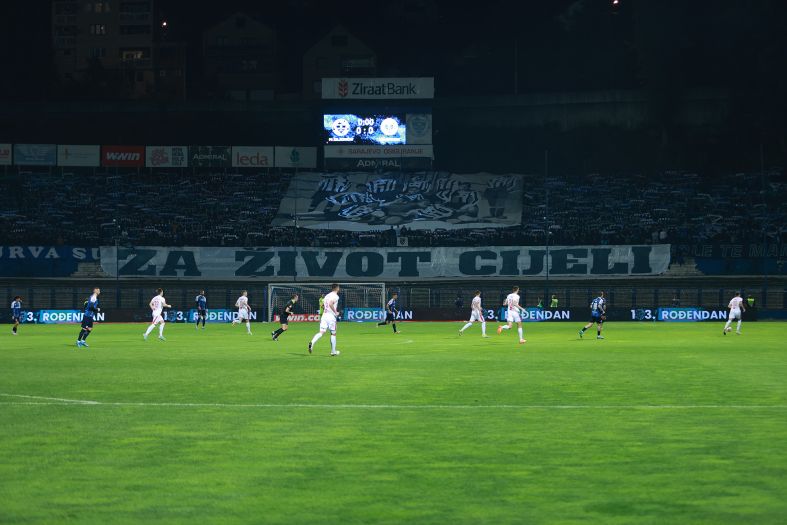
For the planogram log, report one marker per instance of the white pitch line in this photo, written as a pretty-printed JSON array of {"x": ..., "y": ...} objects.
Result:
[
  {"x": 59, "y": 400},
  {"x": 345, "y": 406}
]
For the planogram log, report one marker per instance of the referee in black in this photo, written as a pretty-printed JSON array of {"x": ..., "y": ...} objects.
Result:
[{"x": 283, "y": 319}]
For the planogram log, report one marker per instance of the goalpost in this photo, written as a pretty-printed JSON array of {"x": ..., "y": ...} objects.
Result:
[{"x": 352, "y": 295}]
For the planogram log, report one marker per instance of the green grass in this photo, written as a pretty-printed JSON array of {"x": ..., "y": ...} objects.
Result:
[{"x": 659, "y": 423}]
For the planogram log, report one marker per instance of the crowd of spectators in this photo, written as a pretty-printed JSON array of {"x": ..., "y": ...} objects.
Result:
[{"x": 219, "y": 208}]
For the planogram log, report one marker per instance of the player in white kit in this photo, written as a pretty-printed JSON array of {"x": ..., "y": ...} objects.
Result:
[
  {"x": 328, "y": 320},
  {"x": 513, "y": 314},
  {"x": 476, "y": 314},
  {"x": 736, "y": 307},
  {"x": 244, "y": 311},
  {"x": 157, "y": 305}
]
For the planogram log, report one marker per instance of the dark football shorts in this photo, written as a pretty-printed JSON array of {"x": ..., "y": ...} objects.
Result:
[{"x": 87, "y": 323}]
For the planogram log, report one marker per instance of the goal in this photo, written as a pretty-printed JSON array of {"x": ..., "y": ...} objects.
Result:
[{"x": 352, "y": 295}]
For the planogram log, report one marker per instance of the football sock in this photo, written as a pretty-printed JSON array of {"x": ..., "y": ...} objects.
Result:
[
  {"x": 150, "y": 329},
  {"x": 394, "y": 327},
  {"x": 81, "y": 333},
  {"x": 278, "y": 332},
  {"x": 203, "y": 322},
  {"x": 739, "y": 325},
  {"x": 14, "y": 329},
  {"x": 248, "y": 326},
  {"x": 468, "y": 325},
  {"x": 598, "y": 332},
  {"x": 316, "y": 337},
  {"x": 161, "y": 330},
  {"x": 381, "y": 324},
  {"x": 519, "y": 331},
  {"x": 483, "y": 327},
  {"x": 87, "y": 333},
  {"x": 333, "y": 343},
  {"x": 727, "y": 325}
]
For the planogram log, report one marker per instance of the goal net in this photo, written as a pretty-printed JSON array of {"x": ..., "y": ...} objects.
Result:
[{"x": 352, "y": 295}]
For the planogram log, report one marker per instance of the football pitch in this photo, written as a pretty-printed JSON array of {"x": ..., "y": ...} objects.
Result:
[{"x": 658, "y": 423}]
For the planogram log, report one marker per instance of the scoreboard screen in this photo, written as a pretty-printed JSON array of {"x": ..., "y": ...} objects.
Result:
[{"x": 365, "y": 129}]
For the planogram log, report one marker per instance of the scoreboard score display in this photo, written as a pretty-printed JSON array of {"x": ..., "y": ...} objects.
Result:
[{"x": 365, "y": 129}]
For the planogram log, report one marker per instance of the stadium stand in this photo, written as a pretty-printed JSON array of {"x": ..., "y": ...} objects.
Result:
[{"x": 215, "y": 208}]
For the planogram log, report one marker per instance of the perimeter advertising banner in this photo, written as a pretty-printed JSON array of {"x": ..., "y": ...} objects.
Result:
[
  {"x": 35, "y": 154},
  {"x": 344, "y": 88},
  {"x": 252, "y": 156},
  {"x": 123, "y": 156},
  {"x": 421, "y": 200},
  {"x": 364, "y": 157},
  {"x": 296, "y": 157},
  {"x": 166, "y": 156},
  {"x": 88, "y": 156},
  {"x": 210, "y": 156},
  {"x": 323, "y": 264},
  {"x": 6, "y": 154}
]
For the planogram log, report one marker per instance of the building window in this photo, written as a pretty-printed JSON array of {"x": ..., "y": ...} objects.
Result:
[
  {"x": 98, "y": 52},
  {"x": 98, "y": 29},
  {"x": 339, "y": 40},
  {"x": 249, "y": 65},
  {"x": 101, "y": 7},
  {"x": 131, "y": 55},
  {"x": 134, "y": 30}
]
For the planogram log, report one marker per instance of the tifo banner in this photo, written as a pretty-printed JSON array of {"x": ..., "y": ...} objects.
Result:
[
  {"x": 166, "y": 156},
  {"x": 210, "y": 156},
  {"x": 307, "y": 263},
  {"x": 423, "y": 200},
  {"x": 35, "y": 154},
  {"x": 377, "y": 88},
  {"x": 296, "y": 157},
  {"x": 123, "y": 156},
  {"x": 43, "y": 261},
  {"x": 252, "y": 156},
  {"x": 419, "y": 128},
  {"x": 79, "y": 155},
  {"x": 5, "y": 154}
]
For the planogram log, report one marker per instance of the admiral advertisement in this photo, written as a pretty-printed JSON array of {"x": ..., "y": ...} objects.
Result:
[
  {"x": 166, "y": 156},
  {"x": 88, "y": 156},
  {"x": 357, "y": 264},
  {"x": 35, "y": 154},
  {"x": 5, "y": 154},
  {"x": 123, "y": 156},
  {"x": 421, "y": 200},
  {"x": 364, "y": 157},
  {"x": 252, "y": 157},
  {"x": 377, "y": 88},
  {"x": 210, "y": 156},
  {"x": 295, "y": 157}
]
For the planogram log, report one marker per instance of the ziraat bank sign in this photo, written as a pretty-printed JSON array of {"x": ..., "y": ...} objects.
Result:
[
  {"x": 309, "y": 263},
  {"x": 378, "y": 88},
  {"x": 123, "y": 156}
]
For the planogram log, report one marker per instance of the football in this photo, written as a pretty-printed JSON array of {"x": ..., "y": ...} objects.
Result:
[{"x": 728, "y": 329}]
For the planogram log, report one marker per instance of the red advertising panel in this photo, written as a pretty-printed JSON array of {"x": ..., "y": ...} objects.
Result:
[{"x": 126, "y": 156}]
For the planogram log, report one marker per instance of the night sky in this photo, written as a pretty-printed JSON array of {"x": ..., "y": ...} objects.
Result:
[{"x": 561, "y": 45}]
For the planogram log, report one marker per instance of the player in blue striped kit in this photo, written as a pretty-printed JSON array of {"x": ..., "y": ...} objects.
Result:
[
  {"x": 391, "y": 309},
  {"x": 16, "y": 313},
  {"x": 90, "y": 310}
]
